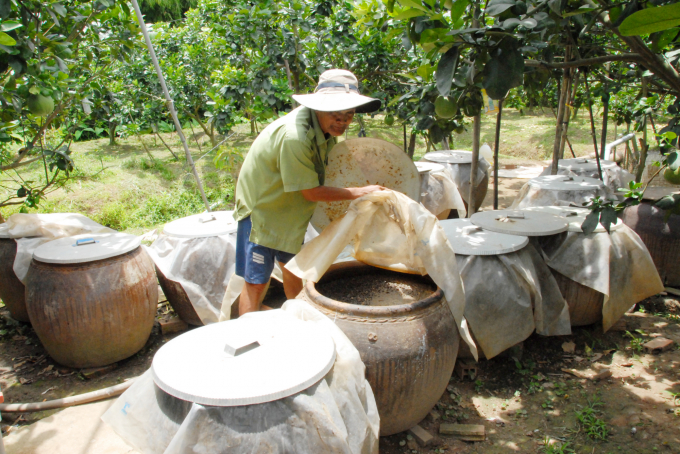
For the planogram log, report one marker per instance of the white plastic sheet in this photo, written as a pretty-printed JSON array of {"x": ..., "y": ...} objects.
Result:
[
  {"x": 336, "y": 415},
  {"x": 507, "y": 296},
  {"x": 613, "y": 177},
  {"x": 33, "y": 230},
  {"x": 533, "y": 196},
  {"x": 202, "y": 266},
  {"x": 391, "y": 231},
  {"x": 460, "y": 174},
  {"x": 439, "y": 193},
  {"x": 617, "y": 265}
]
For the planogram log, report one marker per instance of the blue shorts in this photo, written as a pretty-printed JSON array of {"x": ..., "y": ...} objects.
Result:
[{"x": 255, "y": 263}]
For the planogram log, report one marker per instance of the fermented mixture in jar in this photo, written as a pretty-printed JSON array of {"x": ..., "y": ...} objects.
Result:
[{"x": 377, "y": 289}]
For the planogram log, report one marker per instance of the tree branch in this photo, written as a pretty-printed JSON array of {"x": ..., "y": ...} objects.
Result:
[{"x": 584, "y": 62}]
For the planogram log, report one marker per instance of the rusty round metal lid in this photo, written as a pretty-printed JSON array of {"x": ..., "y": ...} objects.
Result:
[
  {"x": 469, "y": 239},
  {"x": 424, "y": 167},
  {"x": 520, "y": 222},
  {"x": 584, "y": 164},
  {"x": 449, "y": 156},
  {"x": 254, "y": 359},
  {"x": 86, "y": 248},
  {"x": 202, "y": 225},
  {"x": 574, "y": 216},
  {"x": 565, "y": 183},
  {"x": 4, "y": 230},
  {"x": 362, "y": 162}
]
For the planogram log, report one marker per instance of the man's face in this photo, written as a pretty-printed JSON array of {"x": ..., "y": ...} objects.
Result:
[{"x": 335, "y": 123}]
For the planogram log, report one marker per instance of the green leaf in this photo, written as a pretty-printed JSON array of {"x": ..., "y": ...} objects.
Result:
[
  {"x": 445, "y": 70},
  {"x": 590, "y": 223},
  {"x": 408, "y": 14},
  {"x": 5, "y": 8},
  {"x": 651, "y": 20},
  {"x": 7, "y": 40},
  {"x": 556, "y": 6},
  {"x": 458, "y": 9},
  {"x": 11, "y": 25},
  {"x": 414, "y": 4},
  {"x": 608, "y": 217},
  {"x": 497, "y": 7},
  {"x": 581, "y": 10},
  {"x": 505, "y": 70},
  {"x": 673, "y": 160}
]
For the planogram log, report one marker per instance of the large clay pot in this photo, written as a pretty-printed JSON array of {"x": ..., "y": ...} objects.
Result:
[
  {"x": 409, "y": 350},
  {"x": 585, "y": 304},
  {"x": 12, "y": 291},
  {"x": 95, "y": 313},
  {"x": 178, "y": 299},
  {"x": 661, "y": 238}
]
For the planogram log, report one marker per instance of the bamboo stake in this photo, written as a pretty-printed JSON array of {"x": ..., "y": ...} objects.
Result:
[
  {"x": 169, "y": 102},
  {"x": 558, "y": 128},
  {"x": 495, "y": 155},
  {"x": 476, "y": 132},
  {"x": 605, "y": 120},
  {"x": 592, "y": 127}
]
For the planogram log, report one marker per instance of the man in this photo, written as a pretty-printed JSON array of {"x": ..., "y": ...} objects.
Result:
[{"x": 282, "y": 179}]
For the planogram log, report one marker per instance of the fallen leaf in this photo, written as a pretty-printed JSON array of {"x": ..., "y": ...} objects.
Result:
[
  {"x": 596, "y": 357},
  {"x": 569, "y": 347}
]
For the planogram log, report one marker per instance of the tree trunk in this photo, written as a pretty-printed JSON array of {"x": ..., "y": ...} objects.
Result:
[
  {"x": 112, "y": 132},
  {"x": 642, "y": 163},
  {"x": 208, "y": 132},
  {"x": 561, "y": 106},
  {"x": 605, "y": 120},
  {"x": 412, "y": 145},
  {"x": 567, "y": 113}
]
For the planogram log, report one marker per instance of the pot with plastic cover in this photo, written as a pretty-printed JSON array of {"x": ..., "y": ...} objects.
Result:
[
  {"x": 12, "y": 291},
  {"x": 404, "y": 331}
]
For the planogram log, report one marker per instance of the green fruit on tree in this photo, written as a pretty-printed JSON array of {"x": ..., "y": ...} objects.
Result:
[
  {"x": 389, "y": 120},
  {"x": 445, "y": 107},
  {"x": 215, "y": 61},
  {"x": 672, "y": 176},
  {"x": 40, "y": 105}
]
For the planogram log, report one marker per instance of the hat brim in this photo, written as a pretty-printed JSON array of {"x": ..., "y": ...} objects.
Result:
[{"x": 336, "y": 102}]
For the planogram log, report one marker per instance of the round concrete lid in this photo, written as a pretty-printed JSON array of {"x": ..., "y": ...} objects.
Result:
[
  {"x": 469, "y": 239},
  {"x": 565, "y": 183},
  {"x": 424, "y": 167},
  {"x": 4, "y": 230},
  {"x": 520, "y": 222},
  {"x": 202, "y": 225},
  {"x": 574, "y": 216},
  {"x": 250, "y": 360},
  {"x": 449, "y": 156},
  {"x": 86, "y": 248},
  {"x": 362, "y": 162},
  {"x": 584, "y": 164}
]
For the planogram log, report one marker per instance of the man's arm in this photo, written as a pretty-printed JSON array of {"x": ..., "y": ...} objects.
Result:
[{"x": 330, "y": 194}]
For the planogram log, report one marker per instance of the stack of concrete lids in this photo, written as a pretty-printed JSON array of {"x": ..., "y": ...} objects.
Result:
[
  {"x": 4, "y": 230},
  {"x": 362, "y": 162},
  {"x": 202, "y": 225},
  {"x": 575, "y": 216},
  {"x": 584, "y": 164},
  {"x": 86, "y": 248},
  {"x": 520, "y": 222},
  {"x": 469, "y": 239},
  {"x": 565, "y": 183},
  {"x": 424, "y": 167},
  {"x": 449, "y": 156},
  {"x": 246, "y": 361}
]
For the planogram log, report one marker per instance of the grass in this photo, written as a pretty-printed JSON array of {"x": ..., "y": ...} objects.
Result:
[
  {"x": 122, "y": 187},
  {"x": 590, "y": 423}
]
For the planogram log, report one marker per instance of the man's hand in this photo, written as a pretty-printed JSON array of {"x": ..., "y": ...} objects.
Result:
[{"x": 329, "y": 194}]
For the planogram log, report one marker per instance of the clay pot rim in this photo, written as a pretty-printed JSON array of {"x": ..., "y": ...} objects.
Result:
[{"x": 357, "y": 309}]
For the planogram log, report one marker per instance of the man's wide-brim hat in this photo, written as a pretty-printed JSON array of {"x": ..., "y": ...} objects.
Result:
[{"x": 338, "y": 90}]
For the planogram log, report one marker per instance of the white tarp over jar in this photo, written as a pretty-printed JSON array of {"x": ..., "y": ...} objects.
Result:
[
  {"x": 459, "y": 165},
  {"x": 335, "y": 414},
  {"x": 389, "y": 230},
  {"x": 614, "y": 177},
  {"x": 560, "y": 190},
  {"x": 33, "y": 230},
  {"x": 509, "y": 291},
  {"x": 438, "y": 192},
  {"x": 616, "y": 264}
]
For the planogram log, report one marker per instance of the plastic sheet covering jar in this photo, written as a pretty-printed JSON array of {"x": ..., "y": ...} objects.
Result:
[
  {"x": 660, "y": 235},
  {"x": 194, "y": 258},
  {"x": 409, "y": 347},
  {"x": 19, "y": 237},
  {"x": 560, "y": 190},
  {"x": 616, "y": 264},
  {"x": 459, "y": 165},
  {"x": 438, "y": 193},
  {"x": 614, "y": 177},
  {"x": 509, "y": 290},
  {"x": 92, "y": 298},
  {"x": 337, "y": 414}
]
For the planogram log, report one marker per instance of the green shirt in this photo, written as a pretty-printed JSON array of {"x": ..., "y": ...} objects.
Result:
[{"x": 288, "y": 156}]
